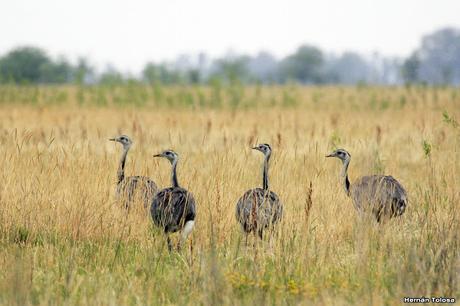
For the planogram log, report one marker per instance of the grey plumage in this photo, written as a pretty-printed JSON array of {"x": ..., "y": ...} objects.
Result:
[
  {"x": 130, "y": 187},
  {"x": 173, "y": 208},
  {"x": 259, "y": 208},
  {"x": 382, "y": 196}
]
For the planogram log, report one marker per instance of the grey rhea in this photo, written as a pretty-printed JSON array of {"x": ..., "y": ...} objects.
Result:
[
  {"x": 259, "y": 208},
  {"x": 173, "y": 208},
  {"x": 383, "y": 196},
  {"x": 129, "y": 187}
]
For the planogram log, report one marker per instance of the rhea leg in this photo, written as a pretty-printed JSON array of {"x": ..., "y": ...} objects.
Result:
[
  {"x": 261, "y": 234},
  {"x": 170, "y": 246},
  {"x": 188, "y": 227}
]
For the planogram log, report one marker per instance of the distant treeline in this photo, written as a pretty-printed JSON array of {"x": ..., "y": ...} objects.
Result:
[{"x": 435, "y": 61}]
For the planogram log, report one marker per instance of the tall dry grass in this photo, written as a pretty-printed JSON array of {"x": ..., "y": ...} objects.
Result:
[{"x": 64, "y": 240}]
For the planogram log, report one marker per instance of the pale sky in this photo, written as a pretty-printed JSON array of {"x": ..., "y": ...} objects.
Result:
[{"x": 127, "y": 34}]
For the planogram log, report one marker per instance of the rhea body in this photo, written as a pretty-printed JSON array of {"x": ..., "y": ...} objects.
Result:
[
  {"x": 173, "y": 208},
  {"x": 381, "y": 195},
  {"x": 259, "y": 208},
  {"x": 128, "y": 188}
]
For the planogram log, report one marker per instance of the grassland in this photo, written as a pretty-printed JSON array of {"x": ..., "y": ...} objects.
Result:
[{"x": 64, "y": 240}]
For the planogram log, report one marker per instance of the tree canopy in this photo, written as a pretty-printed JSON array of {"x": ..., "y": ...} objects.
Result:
[{"x": 435, "y": 61}]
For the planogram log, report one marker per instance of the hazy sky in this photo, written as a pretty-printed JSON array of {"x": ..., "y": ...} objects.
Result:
[{"x": 129, "y": 33}]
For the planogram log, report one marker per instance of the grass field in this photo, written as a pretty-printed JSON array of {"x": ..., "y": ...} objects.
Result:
[{"x": 64, "y": 239}]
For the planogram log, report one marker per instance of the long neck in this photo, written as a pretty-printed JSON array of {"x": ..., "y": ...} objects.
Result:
[
  {"x": 174, "y": 181},
  {"x": 344, "y": 174},
  {"x": 121, "y": 167},
  {"x": 265, "y": 172}
]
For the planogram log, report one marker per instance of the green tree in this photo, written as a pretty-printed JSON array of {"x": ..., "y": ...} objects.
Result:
[
  {"x": 233, "y": 69},
  {"x": 59, "y": 72},
  {"x": 153, "y": 73},
  {"x": 111, "y": 77},
  {"x": 83, "y": 72},
  {"x": 439, "y": 57},
  {"x": 305, "y": 65},
  {"x": 24, "y": 64},
  {"x": 410, "y": 69},
  {"x": 194, "y": 76}
]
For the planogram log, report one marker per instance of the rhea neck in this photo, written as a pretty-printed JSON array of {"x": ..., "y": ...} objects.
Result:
[
  {"x": 265, "y": 171},
  {"x": 174, "y": 181},
  {"x": 344, "y": 175},
  {"x": 121, "y": 167}
]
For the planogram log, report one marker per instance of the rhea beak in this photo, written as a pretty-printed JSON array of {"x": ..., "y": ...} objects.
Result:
[
  {"x": 112, "y": 139},
  {"x": 330, "y": 155},
  {"x": 158, "y": 155},
  {"x": 256, "y": 148}
]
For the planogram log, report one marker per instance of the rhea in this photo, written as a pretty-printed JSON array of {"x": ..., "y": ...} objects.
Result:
[
  {"x": 381, "y": 195},
  {"x": 129, "y": 187},
  {"x": 173, "y": 208},
  {"x": 259, "y": 208}
]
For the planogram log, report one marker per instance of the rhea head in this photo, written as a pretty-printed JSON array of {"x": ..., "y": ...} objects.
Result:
[
  {"x": 124, "y": 140},
  {"x": 264, "y": 148},
  {"x": 341, "y": 154},
  {"x": 168, "y": 154}
]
